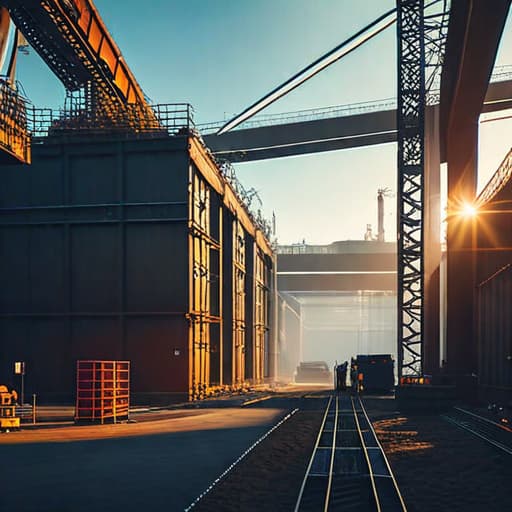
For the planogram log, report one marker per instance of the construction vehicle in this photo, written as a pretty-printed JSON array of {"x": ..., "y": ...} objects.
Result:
[
  {"x": 8, "y": 418},
  {"x": 373, "y": 373}
]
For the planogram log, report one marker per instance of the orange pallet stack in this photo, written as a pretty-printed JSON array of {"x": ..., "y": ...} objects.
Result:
[{"x": 102, "y": 390}]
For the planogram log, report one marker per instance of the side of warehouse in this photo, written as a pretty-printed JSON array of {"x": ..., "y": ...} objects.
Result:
[{"x": 132, "y": 249}]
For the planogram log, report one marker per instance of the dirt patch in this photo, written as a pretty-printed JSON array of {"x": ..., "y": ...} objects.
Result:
[{"x": 440, "y": 467}]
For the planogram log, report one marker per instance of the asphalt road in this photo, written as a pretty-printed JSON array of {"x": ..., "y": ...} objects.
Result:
[{"x": 155, "y": 465}]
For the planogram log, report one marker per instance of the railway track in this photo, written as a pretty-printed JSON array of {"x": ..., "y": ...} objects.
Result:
[
  {"x": 490, "y": 431},
  {"x": 348, "y": 469}
]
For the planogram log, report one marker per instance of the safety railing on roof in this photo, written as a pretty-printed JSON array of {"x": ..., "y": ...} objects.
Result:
[
  {"x": 130, "y": 120},
  {"x": 304, "y": 249},
  {"x": 500, "y": 74},
  {"x": 133, "y": 122}
]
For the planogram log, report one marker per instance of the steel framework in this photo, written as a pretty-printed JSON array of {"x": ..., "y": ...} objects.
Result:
[
  {"x": 410, "y": 124},
  {"x": 421, "y": 36}
]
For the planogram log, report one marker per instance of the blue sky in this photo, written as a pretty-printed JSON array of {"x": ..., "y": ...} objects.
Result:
[{"x": 222, "y": 55}]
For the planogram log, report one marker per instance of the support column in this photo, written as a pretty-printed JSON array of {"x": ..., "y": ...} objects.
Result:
[
  {"x": 462, "y": 181},
  {"x": 274, "y": 324},
  {"x": 432, "y": 242},
  {"x": 410, "y": 190}
]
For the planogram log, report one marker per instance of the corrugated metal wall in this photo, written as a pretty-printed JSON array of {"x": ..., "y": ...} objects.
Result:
[
  {"x": 494, "y": 305},
  {"x": 492, "y": 235}
]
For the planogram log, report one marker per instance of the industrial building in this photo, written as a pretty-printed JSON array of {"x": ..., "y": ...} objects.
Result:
[
  {"x": 489, "y": 232},
  {"x": 335, "y": 301},
  {"x": 125, "y": 233},
  {"x": 122, "y": 238},
  {"x": 131, "y": 248}
]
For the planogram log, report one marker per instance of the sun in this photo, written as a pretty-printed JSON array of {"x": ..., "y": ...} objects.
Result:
[{"x": 468, "y": 210}]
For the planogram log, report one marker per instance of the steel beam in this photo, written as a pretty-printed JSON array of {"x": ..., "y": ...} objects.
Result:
[{"x": 330, "y": 134}]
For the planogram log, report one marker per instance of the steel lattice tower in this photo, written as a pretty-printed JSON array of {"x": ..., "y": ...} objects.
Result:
[
  {"x": 421, "y": 36},
  {"x": 411, "y": 159}
]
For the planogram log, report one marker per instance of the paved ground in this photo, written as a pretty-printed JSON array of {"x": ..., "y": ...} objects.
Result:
[
  {"x": 168, "y": 457},
  {"x": 157, "y": 465}
]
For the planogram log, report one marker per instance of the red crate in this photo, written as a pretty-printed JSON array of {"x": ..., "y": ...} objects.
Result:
[{"x": 102, "y": 390}]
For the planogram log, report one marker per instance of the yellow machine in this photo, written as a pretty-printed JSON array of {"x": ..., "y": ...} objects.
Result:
[{"x": 8, "y": 401}]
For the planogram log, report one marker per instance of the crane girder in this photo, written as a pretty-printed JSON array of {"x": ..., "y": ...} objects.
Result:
[{"x": 72, "y": 39}]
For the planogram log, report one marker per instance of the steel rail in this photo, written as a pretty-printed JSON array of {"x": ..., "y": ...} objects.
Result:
[
  {"x": 315, "y": 449},
  {"x": 473, "y": 424},
  {"x": 391, "y": 474},
  {"x": 365, "y": 452},
  {"x": 333, "y": 454},
  {"x": 360, "y": 462},
  {"x": 483, "y": 419}
]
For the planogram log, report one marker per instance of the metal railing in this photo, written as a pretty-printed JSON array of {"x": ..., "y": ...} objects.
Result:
[
  {"x": 304, "y": 249},
  {"x": 501, "y": 73},
  {"x": 132, "y": 120},
  {"x": 312, "y": 114}
]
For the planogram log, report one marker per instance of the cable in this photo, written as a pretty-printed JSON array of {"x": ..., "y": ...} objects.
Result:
[{"x": 349, "y": 45}]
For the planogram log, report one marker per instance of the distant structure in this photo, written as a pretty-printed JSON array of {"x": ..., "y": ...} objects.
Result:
[
  {"x": 381, "y": 194},
  {"x": 368, "y": 234}
]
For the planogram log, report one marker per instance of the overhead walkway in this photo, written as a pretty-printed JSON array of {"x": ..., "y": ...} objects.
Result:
[{"x": 330, "y": 128}]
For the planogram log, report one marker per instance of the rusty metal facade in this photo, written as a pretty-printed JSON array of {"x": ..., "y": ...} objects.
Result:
[{"x": 491, "y": 238}]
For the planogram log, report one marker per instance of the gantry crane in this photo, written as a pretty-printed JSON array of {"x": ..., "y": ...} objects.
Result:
[{"x": 72, "y": 39}]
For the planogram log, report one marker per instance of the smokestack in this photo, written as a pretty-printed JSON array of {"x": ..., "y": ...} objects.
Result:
[{"x": 380, "y": 215}]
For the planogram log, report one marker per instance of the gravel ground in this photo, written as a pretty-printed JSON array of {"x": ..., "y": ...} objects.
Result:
[{"x": 438, "y": 467}]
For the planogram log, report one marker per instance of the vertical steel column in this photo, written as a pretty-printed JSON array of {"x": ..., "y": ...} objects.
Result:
[
  {"x": 261, "y": 313},
  {"x": 410, "y": 123},
  {"x": 201, "y": 317},
  {"x": 239, "y": 325}
]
